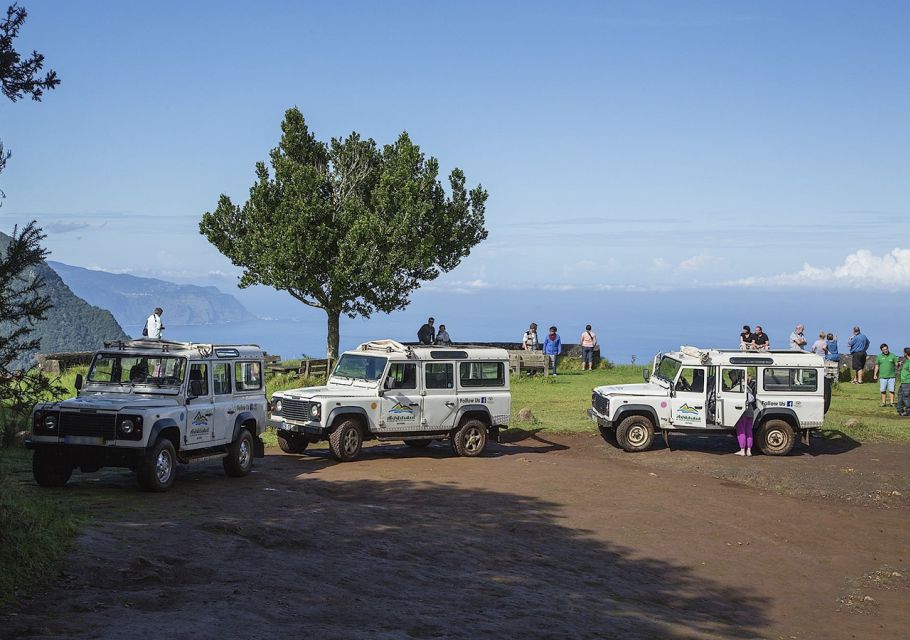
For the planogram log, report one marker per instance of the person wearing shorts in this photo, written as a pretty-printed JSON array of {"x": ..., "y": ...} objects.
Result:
[
  {"x": 903, "y": 395},
  {"x": 858, "y": 345},
  {"x": 885, "y": 372}
]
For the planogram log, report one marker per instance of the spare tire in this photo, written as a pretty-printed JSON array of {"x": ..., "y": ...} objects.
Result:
[{"x": 828, "y": 385}]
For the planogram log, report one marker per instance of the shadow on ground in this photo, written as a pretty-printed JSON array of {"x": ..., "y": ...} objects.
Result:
[{"x": 371, "y": 559}]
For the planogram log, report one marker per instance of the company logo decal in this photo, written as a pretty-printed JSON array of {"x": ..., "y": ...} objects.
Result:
[
  {"x": 200, "y": 419},
  {"x": 400, "y": 409},
  {"x": 687, "y": 410}
]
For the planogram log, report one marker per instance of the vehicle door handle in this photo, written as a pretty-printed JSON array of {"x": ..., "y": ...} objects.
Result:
[
  {"x": 701, "y": 407},
  {"x": 209, "y": 413},
  {"x": 450, "y": 404},
  {"x": 230, "y": 411},
  {"x": 737, "y": 406},
  {"x": 413, "y": 404}
]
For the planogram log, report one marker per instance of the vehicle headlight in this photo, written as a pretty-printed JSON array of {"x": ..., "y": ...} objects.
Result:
[
  {"x": 127, "y": 426},
  {"x": 315, "y": 410},
  {"x": 50, "y": 422},
  {"x": 276, "y": 405}
]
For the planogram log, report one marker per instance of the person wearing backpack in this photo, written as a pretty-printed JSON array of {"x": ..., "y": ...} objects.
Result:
[
  {"x": 588, "y": 341},
  {"x": 744, "y": 424},
  {"x": 153, "y": 326}
]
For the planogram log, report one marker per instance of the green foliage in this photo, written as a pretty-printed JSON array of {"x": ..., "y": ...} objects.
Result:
[
  {"x": 36, "y": 526},
  {"x": 347, "y": 227}
]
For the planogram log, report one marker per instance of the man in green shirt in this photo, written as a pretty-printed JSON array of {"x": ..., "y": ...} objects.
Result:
[
  {"x": 885, "y": 371},
  {"x": 903, "y": 397}
]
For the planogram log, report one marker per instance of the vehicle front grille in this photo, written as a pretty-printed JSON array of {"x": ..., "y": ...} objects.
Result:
[
  {"x": 297, "y": 410},
  {"x": 601, "y": 404},
  {"x": 98, "y": 425}
]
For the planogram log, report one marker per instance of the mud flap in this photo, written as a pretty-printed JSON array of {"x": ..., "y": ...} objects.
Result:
[
  {"x": 666, "y": 433},
  {"x": 805, "y": 438},
  {"x": 258, "y": 447}
]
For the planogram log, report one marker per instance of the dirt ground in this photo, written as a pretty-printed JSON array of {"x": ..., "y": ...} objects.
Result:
[{"x": 546, "y": 536}]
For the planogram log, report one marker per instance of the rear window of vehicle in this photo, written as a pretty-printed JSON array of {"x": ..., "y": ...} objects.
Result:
[
  {"x": 787, "y": 379},
  {"x": 482, "y": 374}
]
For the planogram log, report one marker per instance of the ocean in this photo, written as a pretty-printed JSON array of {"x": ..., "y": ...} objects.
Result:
[{"x": 628, "y": 324}]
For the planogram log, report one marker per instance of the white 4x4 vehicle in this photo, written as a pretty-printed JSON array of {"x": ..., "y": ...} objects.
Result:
[
  {"x": 388, "y": 391},
  {"x": 704, "y": 392},
  {"x": 149, "y": 404}
]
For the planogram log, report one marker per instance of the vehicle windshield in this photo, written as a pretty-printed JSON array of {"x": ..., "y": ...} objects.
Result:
[
  {"x": 667, "y": 368},
  {"x": 360, "y": 367},
  {"x": 162, "y": 371}
]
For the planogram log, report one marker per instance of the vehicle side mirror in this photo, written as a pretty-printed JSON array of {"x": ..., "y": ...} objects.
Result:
[
  {"x": 78, "y": 382},
  {"x": 646, "y": 374}
]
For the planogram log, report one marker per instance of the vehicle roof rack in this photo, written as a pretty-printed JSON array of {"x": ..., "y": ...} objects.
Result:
[{"x": 388, "y": 346}]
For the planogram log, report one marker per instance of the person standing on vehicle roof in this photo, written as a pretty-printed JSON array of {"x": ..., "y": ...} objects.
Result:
[
  {"x": 153, "y": 326},
  {"x": 858, "y": 345},
  {"x": 427, "y": 334},
  {"x": 797, "y": 339},
  {"x": 551, "y": 348}
]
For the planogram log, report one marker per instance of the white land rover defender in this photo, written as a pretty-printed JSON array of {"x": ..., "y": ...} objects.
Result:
[
  {"x": 149, "y": 404},
  {"x": 704, "y": 392},
  {"x": 389, "y": 391}
]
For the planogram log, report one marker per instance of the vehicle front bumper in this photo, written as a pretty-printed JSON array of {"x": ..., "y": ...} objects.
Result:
[
  {"x": 307, "y": 429},
  {"x": 599, "y": 418}
]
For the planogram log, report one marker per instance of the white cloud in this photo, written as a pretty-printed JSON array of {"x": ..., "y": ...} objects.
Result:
[
  {"x": 861, "y": 269},
  {"x": 696, "y": 262},
  {"x": 658, "y": 264}
]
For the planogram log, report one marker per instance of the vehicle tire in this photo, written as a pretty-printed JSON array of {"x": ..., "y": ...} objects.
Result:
[
  {"x": 345, "y": 441},
  {"x": 470, "y": 439},
  {"x": 776, "y": 438},
  {"x": 635, "y": 433},
  {"x": 291, "y": 444},
  {"x": 418, "y": 444},
  {"x": 239, "y": 459},
  {"x": 157, "y": 470},
  {"x": 50, "y": 468}
]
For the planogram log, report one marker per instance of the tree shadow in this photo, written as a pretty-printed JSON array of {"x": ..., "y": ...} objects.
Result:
[{"x": 384, "y": 559}]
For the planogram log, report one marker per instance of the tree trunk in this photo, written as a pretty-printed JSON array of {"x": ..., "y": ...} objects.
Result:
[{"x": 332, "y": 341}]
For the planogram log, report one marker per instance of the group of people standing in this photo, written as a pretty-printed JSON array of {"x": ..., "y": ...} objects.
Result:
[{"x": 552, "y": 346}]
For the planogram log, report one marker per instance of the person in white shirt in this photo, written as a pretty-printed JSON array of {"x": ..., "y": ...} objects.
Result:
[
  {"x": 153, "y": 326},
  {"x": 797, "y": 339},
  {"x": 529, "y": 339}
]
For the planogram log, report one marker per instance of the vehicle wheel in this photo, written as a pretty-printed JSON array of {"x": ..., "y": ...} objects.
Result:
[
  {"x": 345, "y": 441},
  {"x": 470, "y": 439},
  {"x": 157, "y": 470},
  {"x": 239, "y": 459},
  {"x": 776, "y": 438},
  {"x": 635, "y": 433},
  {"x": 290, "y": 444},
  {"x": 51, "y": 469},
  {"x": 418, "y": 444}
]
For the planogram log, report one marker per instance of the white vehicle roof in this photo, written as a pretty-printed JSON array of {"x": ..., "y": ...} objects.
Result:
[
  {"x": 152, "y": 347},
  {"x": 397, "y": 351},
  {"x": 693, "y": 356}
]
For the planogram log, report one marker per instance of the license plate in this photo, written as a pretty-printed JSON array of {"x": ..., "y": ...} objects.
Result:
[{"x": 89, "y": 440}]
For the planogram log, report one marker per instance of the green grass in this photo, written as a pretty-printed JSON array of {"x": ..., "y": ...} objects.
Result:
[
  {"x": 36, "y": 527},
  {"x": 861, "y": 402}
]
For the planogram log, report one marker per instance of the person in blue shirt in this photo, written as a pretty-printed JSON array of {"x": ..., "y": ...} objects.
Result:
[
  {"x": 832, "y": 355},
  {"x": 551, "y": 348},
  {"x": 858, "y": 345}
]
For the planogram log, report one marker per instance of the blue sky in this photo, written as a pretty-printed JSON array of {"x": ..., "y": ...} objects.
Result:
[{"x": 625, "y": 145}]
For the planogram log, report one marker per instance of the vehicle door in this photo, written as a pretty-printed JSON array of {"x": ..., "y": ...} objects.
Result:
[
  {"x": 688, "y": 405},
  {"x": 439, "y": 395},
  {"x": 731, "y": 398},
  {"x": 223, "y": 399},
  {"x": 200, "y": 409},
  {"x": 402, "y": 404},
  {"x": 249, "y": 393}
]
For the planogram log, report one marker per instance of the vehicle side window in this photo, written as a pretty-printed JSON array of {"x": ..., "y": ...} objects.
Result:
[
  {"x": 691, "y": 379},
  {"x": 439, "y": 375},
  {"x": 733, "y": 380},
  {"x": 199, "y": 371},
  {"x": 482, "y": 374},
  {"x": 403, "y": 375},
  {"x": 247, "y": 376},
  {"x": 221, "y": 378},
  {"x": 790, "y": 379}
]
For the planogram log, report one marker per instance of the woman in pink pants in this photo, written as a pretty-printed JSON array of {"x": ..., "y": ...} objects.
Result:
[{"x": 744, "y": 424}]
